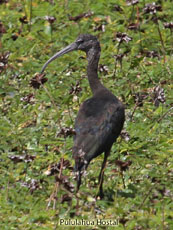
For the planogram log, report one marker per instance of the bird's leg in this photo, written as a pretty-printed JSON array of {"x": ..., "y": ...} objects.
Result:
[
  {"x": 78, "y": 178},
  {"x": 79, "y": 175},
  {"x": 78, "y": 181},
  {"x": 101, "y": 175}
]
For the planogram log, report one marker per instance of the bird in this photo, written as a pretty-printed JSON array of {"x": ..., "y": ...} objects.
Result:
[{"x": 100, "y": 118}]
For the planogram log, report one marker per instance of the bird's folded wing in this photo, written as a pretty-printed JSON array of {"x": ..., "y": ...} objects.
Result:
[{"x": 97, "y": 132}]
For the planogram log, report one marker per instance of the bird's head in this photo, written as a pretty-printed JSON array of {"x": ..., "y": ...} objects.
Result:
[{"x": 84, "y": 42}]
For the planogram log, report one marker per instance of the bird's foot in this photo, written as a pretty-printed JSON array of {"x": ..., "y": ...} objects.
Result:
[{"x": 100, "y": 195}]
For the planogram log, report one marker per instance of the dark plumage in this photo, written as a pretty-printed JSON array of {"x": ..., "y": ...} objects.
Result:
[{"x": 100, "y": 119}]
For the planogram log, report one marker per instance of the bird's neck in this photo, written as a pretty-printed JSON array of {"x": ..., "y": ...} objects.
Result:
[{"x": 93, "y": 57}]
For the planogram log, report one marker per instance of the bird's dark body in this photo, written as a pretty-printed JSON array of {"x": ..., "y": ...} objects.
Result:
[
  {"x": 100, "y": 119},
  {"x": 98, "y": 124}
]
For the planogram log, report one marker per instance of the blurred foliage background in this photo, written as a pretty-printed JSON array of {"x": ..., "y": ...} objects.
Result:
[{"x": 37, "y": 115}]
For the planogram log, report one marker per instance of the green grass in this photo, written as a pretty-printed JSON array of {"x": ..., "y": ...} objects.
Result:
[{"x": 140, "y": 196}]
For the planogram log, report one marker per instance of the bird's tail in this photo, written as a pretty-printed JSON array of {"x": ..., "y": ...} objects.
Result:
[
  {"x": 80, "y": 165},
  {"x": 80, "y": 162}
]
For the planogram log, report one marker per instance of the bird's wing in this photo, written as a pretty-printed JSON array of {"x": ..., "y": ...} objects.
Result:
[{"x": 97, "y": 127}]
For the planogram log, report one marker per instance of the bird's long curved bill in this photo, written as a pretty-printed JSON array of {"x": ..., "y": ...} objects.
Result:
[{"x": 67, "y": 49}]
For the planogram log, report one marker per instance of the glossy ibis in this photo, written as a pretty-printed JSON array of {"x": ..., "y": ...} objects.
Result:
[{"x": 100, "y": 119}]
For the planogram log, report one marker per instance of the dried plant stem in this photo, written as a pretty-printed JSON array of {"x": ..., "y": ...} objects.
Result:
[
  {"x": 161, "y": 40},
  {"x": 171, "y": 31},
  {"x": 131, "y": 117},
  {"x": 146, "y": 72},
  {"x": 30, "y": 16},
  {"x": 53, "y": 196},
  {"x": 131, "y": 16},
  {"x": 164, "y": 114},
  {"x": 7, "y": 190},
  {"x": 53, "y": 102},
  {"x": 163, "y": 217},
  {"x": 145, "y": 197},
  {"x": 69, "y": 113},
  {"x": 124, "y": 226},
  {"x": 122, "y": 176},
  {"x": 116, "y": 61}
]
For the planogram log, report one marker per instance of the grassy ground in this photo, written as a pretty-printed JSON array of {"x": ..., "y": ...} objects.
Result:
[{"x": 36, "y": 121}]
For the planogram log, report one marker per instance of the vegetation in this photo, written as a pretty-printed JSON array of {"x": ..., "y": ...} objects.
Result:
[{"x": 37, "y": 113}]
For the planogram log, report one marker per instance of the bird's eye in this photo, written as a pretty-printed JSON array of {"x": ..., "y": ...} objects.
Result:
[{"x": 79, "y": 41}]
